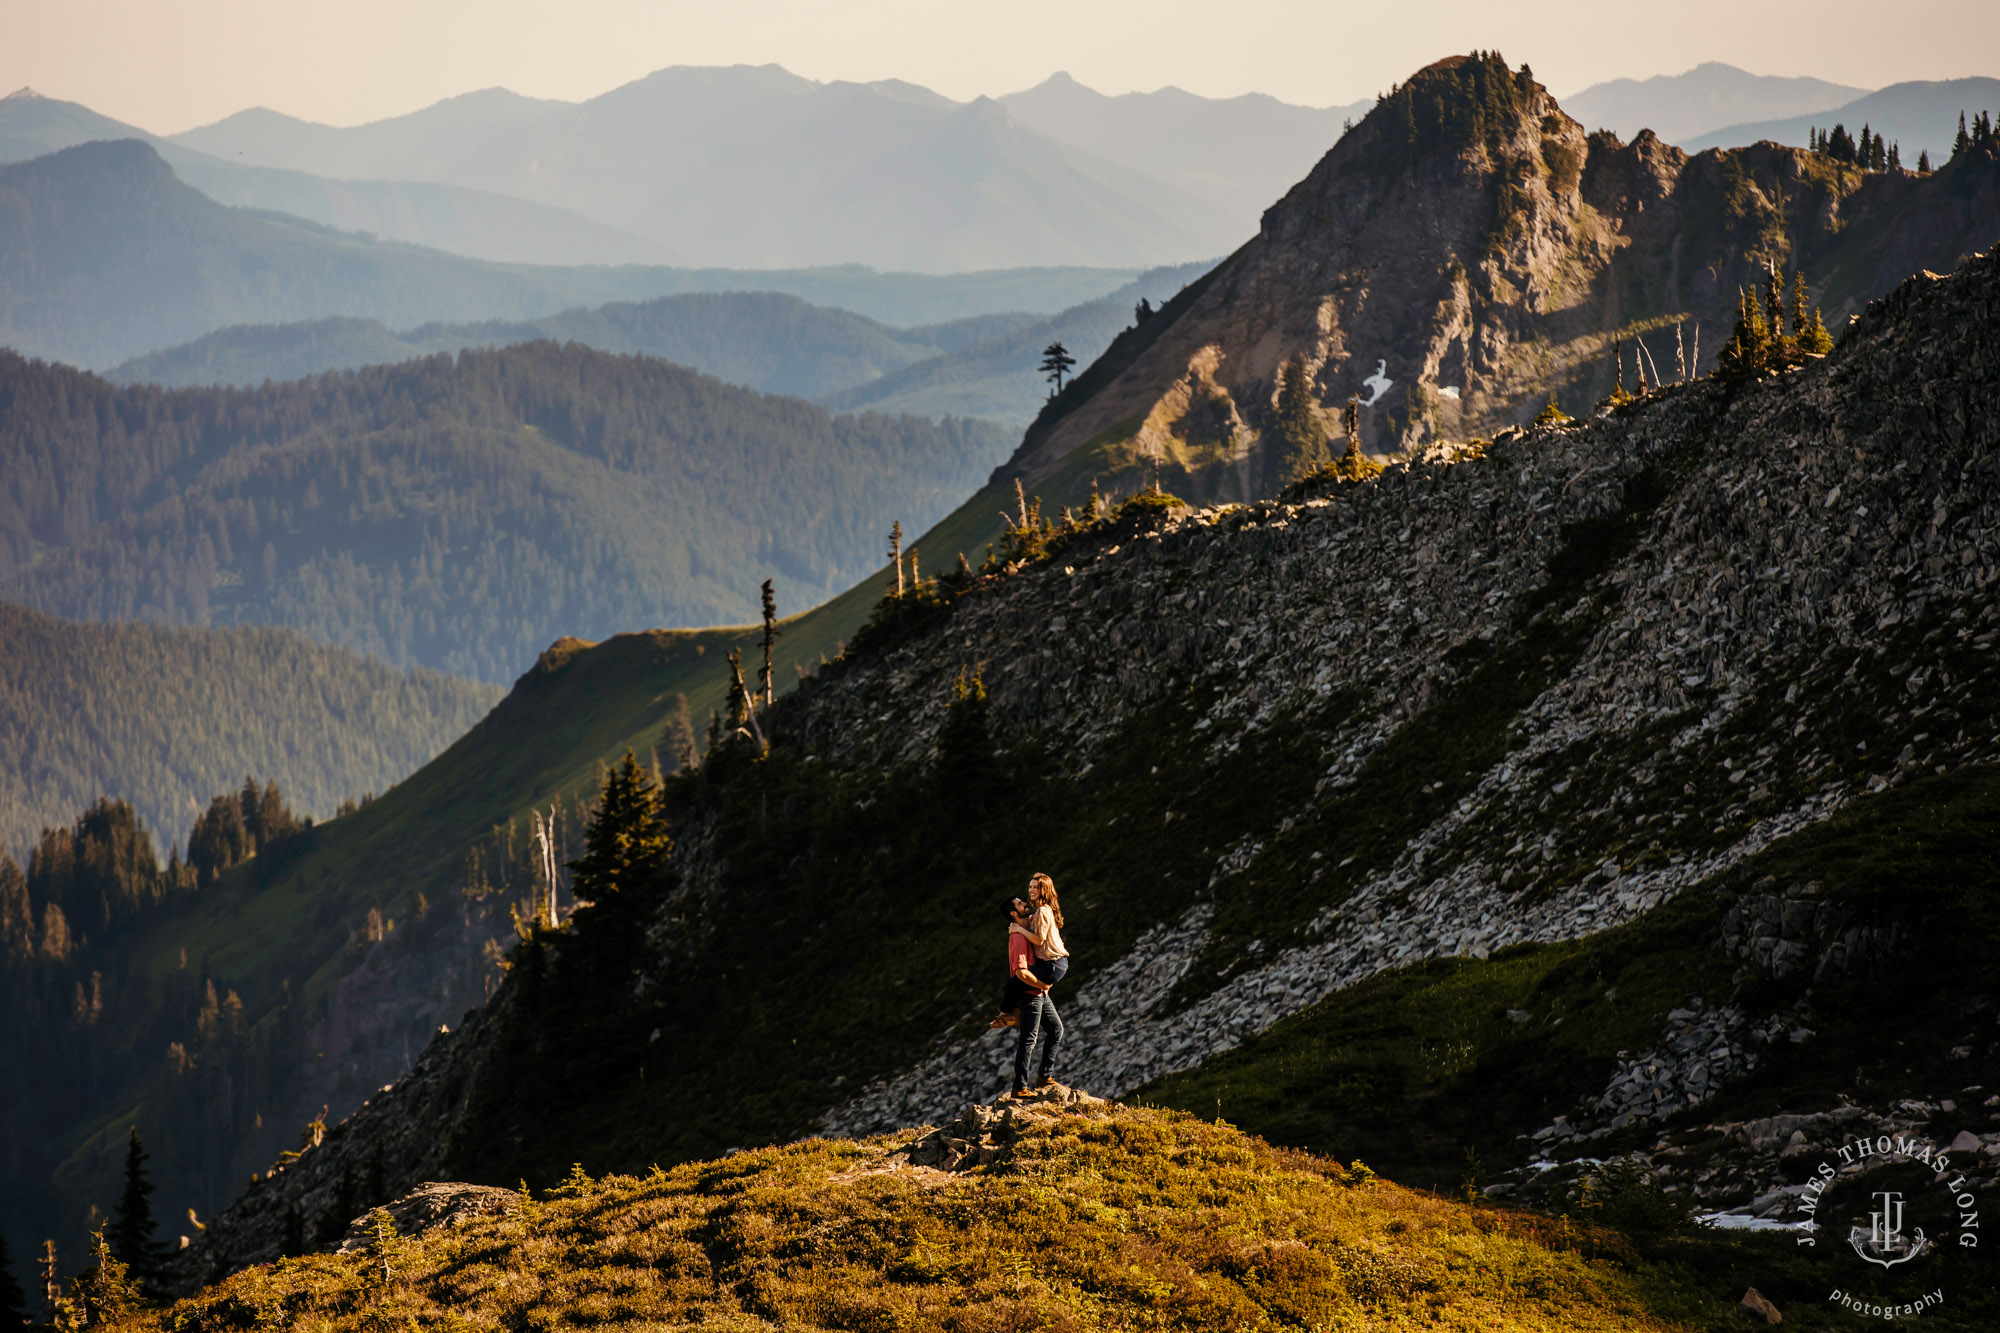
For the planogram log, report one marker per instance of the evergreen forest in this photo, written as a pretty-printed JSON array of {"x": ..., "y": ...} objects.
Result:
[
  {"x": 458, "y": 512},
  {"x": 163, "y": 717}
]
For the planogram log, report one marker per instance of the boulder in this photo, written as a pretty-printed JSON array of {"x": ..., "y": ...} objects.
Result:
[
  {"x": 429, "y": 1206},
  {"x": 1757, "y": 1309}
]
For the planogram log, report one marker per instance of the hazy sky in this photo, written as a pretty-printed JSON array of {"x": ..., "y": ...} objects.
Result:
[{"x": 172, "y": 66}]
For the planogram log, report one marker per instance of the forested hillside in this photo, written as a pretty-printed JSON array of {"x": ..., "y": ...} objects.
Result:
[
  {"x": 455, "y": 513},
  {"x": 980, "y": 366},
  {"x": 166, "y": 717}
]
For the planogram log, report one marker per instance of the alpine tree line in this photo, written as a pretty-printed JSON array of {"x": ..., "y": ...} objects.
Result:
[{"x": 1871, "y": 152}]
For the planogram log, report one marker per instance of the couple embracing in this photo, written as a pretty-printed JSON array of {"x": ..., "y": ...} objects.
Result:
[{"x": 1036, "y": 961}]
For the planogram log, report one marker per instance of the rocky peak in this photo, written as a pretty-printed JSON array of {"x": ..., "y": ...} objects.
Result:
[{"x": 1464, "y": 252}]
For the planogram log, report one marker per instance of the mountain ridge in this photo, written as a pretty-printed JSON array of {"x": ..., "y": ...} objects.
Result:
[{"x": 1586, "y": 629}]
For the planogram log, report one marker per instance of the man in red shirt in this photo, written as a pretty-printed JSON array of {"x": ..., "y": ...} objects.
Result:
[{"x": 1021, "y": 979}]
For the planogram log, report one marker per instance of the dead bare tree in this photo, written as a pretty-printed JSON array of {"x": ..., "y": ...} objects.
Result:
[
  {"x": 747, "y": 720},
  {"x": 896, "y": 553},
  {"x": 1648, "y": 354},
  {"x": 545, "y": 861}
]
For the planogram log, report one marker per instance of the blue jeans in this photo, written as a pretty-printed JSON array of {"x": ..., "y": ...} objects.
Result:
[{"x": 1040, "y": 1025}]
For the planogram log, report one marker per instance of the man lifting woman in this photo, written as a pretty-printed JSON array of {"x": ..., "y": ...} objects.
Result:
[{"x": 1036, "y": 961}]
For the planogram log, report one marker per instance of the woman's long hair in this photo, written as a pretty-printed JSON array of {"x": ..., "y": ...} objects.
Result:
[{"x": 1042, "y": 890}]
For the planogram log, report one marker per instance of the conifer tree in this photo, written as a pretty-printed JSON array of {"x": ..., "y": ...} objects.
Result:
[
  {"x": 678, "y": 735},
  {"x": 627, "y": 846},
  {"x": 131, "y": 1228},
  {"x": 56, "y": 1308},
  {"x": 1299, "y": 432},
  {"x": 1742, "y": 357},
  {"x": 739, "y": 697},
  {"x": 13, "y": 1301},
  {"x": 1961, "y": 141},
  {"x": 770, "y": 598},
  {"x": 1056, "y": 363},
  {"x": 1896, "y": 156},
  {"x": 1814, "y": 339},
  {"x": 1865, "y": 146},
  {"x": 965, "y": 741},
  {"x": 1923, "y": 161},
  {"x": 17, "y": 914},
  {"x": 105, "y": 1290}
]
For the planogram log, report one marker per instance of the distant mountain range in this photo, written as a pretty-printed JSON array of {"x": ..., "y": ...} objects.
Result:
[
  {"x": 1683, "y": 107},
  {"x": 106, "y": 255},
  {"x": 1916, "y": 116},
  {"x": 1242, "y": 152},
  {"x": 754, "y": 166},
  {"x": 981, "y": 366},
  {"x": 474, "y": 223}
]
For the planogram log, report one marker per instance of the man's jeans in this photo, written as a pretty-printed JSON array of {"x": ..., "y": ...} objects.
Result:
[{"x": 1039, "y": 1022}]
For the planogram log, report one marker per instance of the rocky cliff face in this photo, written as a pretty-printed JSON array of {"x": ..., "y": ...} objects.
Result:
[
  {"x": 1455, "y": 278},
  {"x": 1480, "y": 701}
]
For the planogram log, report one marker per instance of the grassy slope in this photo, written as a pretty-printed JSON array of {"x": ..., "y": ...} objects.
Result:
[{"x": 1094, "y": 1219}]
